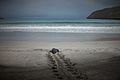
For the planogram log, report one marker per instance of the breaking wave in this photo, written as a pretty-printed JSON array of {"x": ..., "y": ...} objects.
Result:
[{"x": 73, "y": 29}]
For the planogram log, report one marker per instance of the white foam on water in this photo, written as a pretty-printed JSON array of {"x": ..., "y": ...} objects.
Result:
[{"x": 68, "y": 28}]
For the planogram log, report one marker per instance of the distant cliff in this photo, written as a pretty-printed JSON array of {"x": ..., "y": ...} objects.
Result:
[
  {"x": 1, "y": 18},
  {"x": 107, "y": 13}
]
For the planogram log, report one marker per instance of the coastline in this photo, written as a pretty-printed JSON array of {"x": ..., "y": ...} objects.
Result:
[{"x": 23, "y": 54}]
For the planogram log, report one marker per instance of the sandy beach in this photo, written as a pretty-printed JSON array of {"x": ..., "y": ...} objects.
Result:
[
  {"x": 25, "y": 60},
  {"x": 59, "y": 39}
]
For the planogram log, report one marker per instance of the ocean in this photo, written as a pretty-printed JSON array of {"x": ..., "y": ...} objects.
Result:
[
  {"x": 72, "y": 26},
  {"x": 59, "y": 30}
]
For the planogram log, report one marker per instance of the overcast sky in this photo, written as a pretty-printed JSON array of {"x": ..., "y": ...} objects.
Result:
[{"x": 75, "y": 9}]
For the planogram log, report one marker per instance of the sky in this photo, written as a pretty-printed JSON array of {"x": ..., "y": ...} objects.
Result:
[{"x": 58, "y": 9}]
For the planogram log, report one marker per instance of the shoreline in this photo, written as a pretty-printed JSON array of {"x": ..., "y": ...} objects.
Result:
[{"x": 98, "y": 59}]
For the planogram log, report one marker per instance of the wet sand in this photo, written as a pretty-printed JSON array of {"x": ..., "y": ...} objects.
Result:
[
  {"x": 27, "y": 60},
  {"x": 23, "y": 55}
]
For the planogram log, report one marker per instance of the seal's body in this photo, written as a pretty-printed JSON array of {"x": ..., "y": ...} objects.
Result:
[{"x": 54, "y": 50}]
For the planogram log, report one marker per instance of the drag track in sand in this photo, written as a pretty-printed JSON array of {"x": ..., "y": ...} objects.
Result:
[{"x": 63, "y": 68}]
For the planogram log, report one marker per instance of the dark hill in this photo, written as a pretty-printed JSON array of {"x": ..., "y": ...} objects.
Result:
[
  {"x": 1, "y": 18},
  {"x": 107, "y": 13}
]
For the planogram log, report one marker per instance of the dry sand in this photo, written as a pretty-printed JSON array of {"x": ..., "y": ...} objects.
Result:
[{"x": 100, "y": 60}]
